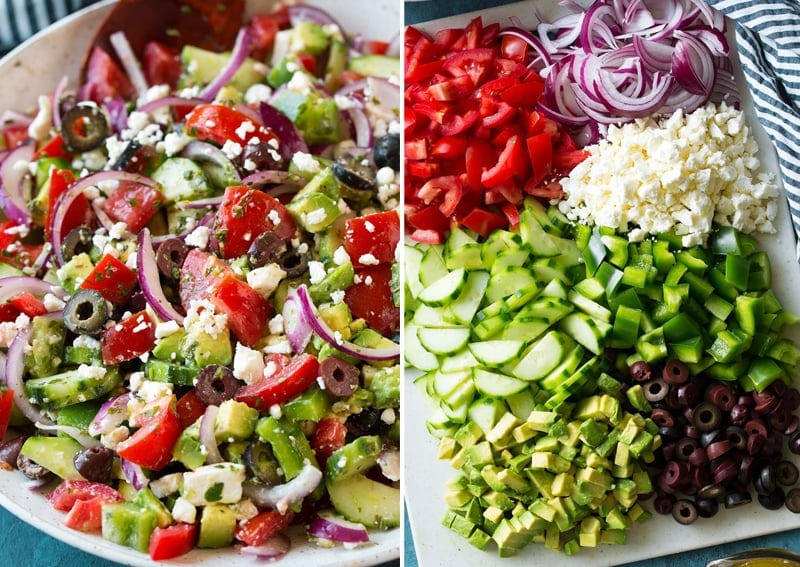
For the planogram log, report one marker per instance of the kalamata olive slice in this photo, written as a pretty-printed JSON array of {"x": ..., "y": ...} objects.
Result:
[
  {"x": 340, "y": 377},
  {"x": 640, "y": 371},
  {"x": 774, "y": 500},
  {"x": 386, "y": 152},
  {"x": 698, "y": 458},
  {"x": 663, "y": 504},
  {"x": 86, "y": 312},
  {"x": 258, "y": 457},
  {"x": 707, "y": 508},
  {"x": 662, "y": 417},
  {"x": 655, "y": 390},
  {"x": 718, "y": 448},
  {"x": 787, "y": 473},
  {"x": 266, "y": 248},
  {"x": 740, "y": 413},
  {"x": 673, "y": 432},
  {"x": 793, "y": 500},
  {"x": 755, "y": 442},
  {"x": 77, "y": 241},
  {"x": 262, "y": 156},
  {"x": 294, "y": 263},
  {"x": 127, "y": 155},
  {"x": 354, "y": 173},
  {"x": 366, "y": 422},
  {"x": 721, "y": 395},
  {"x": 215, "y": 384},
  {"x": 9, "y": 450},
  {"x": 709, "y": 437},
  {"x": 736, "y": 436},
  {"x": 685, "y": 448},
  {"x": 84, "y": 127},
  {"x": 675, "y": 473},
  {"x": 170, "y": 256},
  {"x": 707, "y": 416},
  {"x": 95, "y": 463},
  {"x": 675, "y": 372},
  {"x": 684, "y": 511},
  {"x": 711, "y": 492},
  {"x": 31, "y": 469},
  {"x": 736, "y": 499},
  {"x": 768, "y": 479},
  {"x": 688, "y": 394}
]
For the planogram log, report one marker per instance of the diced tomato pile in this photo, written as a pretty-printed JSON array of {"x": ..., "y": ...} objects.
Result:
[{"x": 475, "y": 144}]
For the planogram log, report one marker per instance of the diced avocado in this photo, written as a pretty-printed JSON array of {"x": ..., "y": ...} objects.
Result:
[
  {"x": 311, "y": 405},
  {"x": 354, "y": 458},
  {"x": 375, "y": 66},
  {"x": 129, "y": 524},
  {"x": 146, "y": 499},
  {"x": 56, "y": 454},
  {"x": 290, "y": 447},
  {"x": 217, "y": 525},
  {"x": 385, "y": 384},
  {"x": 335, "y": 65},
  {"x": 171, "y": 372},
  {"x": 205, "y": 349},
  {"x": 308, "y": 37},
  {"x": 182, "y": 179},
  {"x": 77, "y": 269},
  {"x": 338, "y": 318},
  {"x": 324, "y": 182},
  {"x": 73, "y": 386},
  {"x": 314, "y": 212},
  {"x": 202, "y": 66},
  {"x": 281, "y": 73},
  {"x": 337, "y": 279},
  {"x": 40, "y": 203},
  {"x": 315, "y": 115},
  {"x": 329, "y": 241},
  {"x": 360, "y": 499},
  {"x": 235, "y": 421},
  {"x": 170, "y": 348},
  {"x": 78, "y": 415},
  {"x": 47, "y": 347},
  {"x": 188, "y": 449}
]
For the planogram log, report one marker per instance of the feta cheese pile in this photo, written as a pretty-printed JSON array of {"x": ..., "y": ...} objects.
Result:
[{"x": 680, "y": 175}]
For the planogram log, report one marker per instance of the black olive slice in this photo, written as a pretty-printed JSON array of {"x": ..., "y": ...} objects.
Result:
[{"x": 84, "y": 127}]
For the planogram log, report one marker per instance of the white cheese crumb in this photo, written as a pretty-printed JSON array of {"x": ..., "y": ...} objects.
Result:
[
  {"x": 166, "y": 328},
  {"x": 340, "y": 256},
  {"x": 199, "y": 237},
  {"x": 201, "y": 315},
  {"x": 368, "y": 260},
  {"x": 232, "y": 149},
  {"x": 257, "y": 93},
  {"x": 248, "y": 364},
  {"x": 265, "y": 279},
  {"x": 275, "y": 411},
  {"x": 306, "y": 162},
  {"x": 316, "y": 271},
  {"x": 315, "y": 217},
  {"x": 39, "y": 128},
  {"x": 276, "y": 325},
  {"x": 244, "y": 129}
]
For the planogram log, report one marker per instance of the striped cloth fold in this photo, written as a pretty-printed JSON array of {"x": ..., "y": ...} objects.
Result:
[
  {"x": 768, "y": 39},
  {"x": 20, "y": 19}
]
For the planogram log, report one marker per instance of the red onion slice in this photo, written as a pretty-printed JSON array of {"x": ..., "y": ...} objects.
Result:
[
  {"x": 13, "y": 173},
  {"x": 324, "y": 331},
  {"x": 205, "y": 152},
  {"x": 149, "y": 281},
  {"x": 15, "y": 369},
  {"x": 271, "y": 550},
  {"x": 110, "y": 415},
  {"x": 61, "y": 86},
  {"x": 207, "y": 437},
  {"x": 308, "y": 13},
  {"x": 240, "y": 50},
  {"x": 291, "y": 141},
  {"x": 298, "y": 330},
  {"x": 11, "y": 286},
  {"x": 282, "y": 496},
  {"x": 130, "y": 62},
  {"x": 692, "y": 65},
  {"x": 270, "y": 177},
  {"x": 338, "y": 529},
  {"x": 134, "y": 474},
  {"x": 533, "y": 42},
  {"x": 173, "y": 101},
  {"x": 389, "y": 462},
  {"x": 361, "y": 127}
]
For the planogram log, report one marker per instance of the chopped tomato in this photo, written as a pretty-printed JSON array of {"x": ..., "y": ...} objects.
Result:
[
  {"x": 288, "y": 382},
  {"x": 105, "y": 79},
  {"x": 244, "y": 214},
  {"x": 162, "y": 64},
  {"x": 372, "y": 238},
  {"x": 540, "y": 152},
  {"x": 264, "y": 27},
  {"x": 219, "y": 123},
  {"x": 134, "y": 204},
  {"x": 262, "y": 527},
  {"x": 329, "y": 436},
  {"x": 151, "y": 446},
  {"x": 80, "y": 212},
  {"x": 128, "y": 339},
  {"x": 54, "y": 148},
  {"x": 66, "y": 494},
  {"x": 15, "y": 135},
  {"x": 483, "y": 222},
  {"x": 6, "y": 404},
  {"x": 247, "y": 310},
  {"x": 371, "y": 299},
  {"x": 200, "y": 274},
  {"x": 172, "y": 541},
  {"x": 190, "y": 408},
  {"x": 8, "y": 313},
  {"x": 86, "y": 515},
  {"x": 29, "y": 304},
  {"x": 112, "y": 279}
]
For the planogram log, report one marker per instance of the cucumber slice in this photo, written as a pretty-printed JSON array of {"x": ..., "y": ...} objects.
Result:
[
  {"x": 435, "y": 317},
  {"x": 445, "y": 383},
  {"x": 496, "y": 353},
  {"x": 486, "y": 413},
  {"x": 462, "y": 251},
  {"x": 564, "y": 370},
  {"x": 360, "y": 499},
  {"x": 411, "y": 262},
  {"x": 461, "y": 361},
  {"x": 459, "y": 400},
  {"x": 587, "y": 331},
  {"x": 526, "y": 328},
  {"x": 507, "y": 281},
  {"x": 497, "y": 385},
  {"x": 431, "y": 267},
  {"x": 464, "y": 308},
  {"x": 443, "y": 341},
  {"x": 543, "y": 356},
  {"x": 591, "y": 308},
  {"x": 444, "y": 290},
  {"x": 414, "y": 353}
]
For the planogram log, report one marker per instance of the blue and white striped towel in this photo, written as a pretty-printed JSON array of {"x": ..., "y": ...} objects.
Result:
[
  {"x": 20, "y": 19},
  {"x": 768, "y": 39}
]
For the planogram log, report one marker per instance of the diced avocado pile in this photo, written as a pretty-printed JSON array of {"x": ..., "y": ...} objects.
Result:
[{"x": 511, "y": 334}]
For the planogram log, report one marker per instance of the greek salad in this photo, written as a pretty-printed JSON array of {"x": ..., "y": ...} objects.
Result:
[{"x": 199, "y": 307}]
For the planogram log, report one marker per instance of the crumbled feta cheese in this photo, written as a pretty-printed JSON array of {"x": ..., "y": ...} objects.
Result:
[
  {"x": 385, "y": 175},
  {"x": 184, "y": 511},
  {"x": 172, "y": 144},
  {"x": 166, "y": 328},
  {"x": 232, "y": 149},
  {"x": 368, "y": 260},
  {"x": 250, "y": 165},
  {"x": 150, "y": 135},
  {"x": 270, "y": 368},
  {"x": 337, "y": 296},
  {"x": 681, "y": 174},
  {"x": 85, "y": 341},
  {"x": 135, "y": 380},
  {"x": 114, "y": 437},
  {"x": 257, "y": 93},
  {"x": 39, "y": 128},
  {"x": 316, "y": 216},
  {"x": 316, "y": 271},
  {"x": 276, "y": 325},
  {"x": 118, "y": 230},
  {"x": 278, "y": 347},
  {"x": 166, "y": 485},
  {"x": 369, "y": 226},
  {"x": 199, "y": 237},
  {"x": 245, "y": 509},
  {"x": 306, "y": 162},
  {"x": 150, "y": 390},
  {"x": 275, "y": 411},
  {"x": 388, "y": 416},
  {"x": 244, "y": 129},
  {"x": 201, "y": 315},
  {"x": 265, "y": 279},
  {"x": 92, "y": 372},
  {"x": 137, "y": 121},
  {"x": 274, "y": 217},
  {"x": 220, "y": 483},
  {"x": 248, "y": 364},
  {"x": 340, "y": 256},
  {"x": 345, "y": 102},
  {"x": 52, "y": 303},
  {"x": 300, "y": 83}
]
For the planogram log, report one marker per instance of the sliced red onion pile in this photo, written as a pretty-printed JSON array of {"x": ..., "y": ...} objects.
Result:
[{"x": 623, "y": 59}]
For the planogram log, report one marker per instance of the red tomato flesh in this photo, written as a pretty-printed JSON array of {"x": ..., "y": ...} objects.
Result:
[
  {"x": 290, "y": 381},
  {"x": 151, "y": 446},
  {"x": 128, "y": 339}
]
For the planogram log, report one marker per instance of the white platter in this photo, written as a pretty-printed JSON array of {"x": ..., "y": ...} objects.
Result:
[
  {"x": 425, "y": 476},
  {"x": 35, "y": 68}
]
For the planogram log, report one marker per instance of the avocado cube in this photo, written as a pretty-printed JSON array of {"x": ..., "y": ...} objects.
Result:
[
  {"x": 479, "y": 539},
  {"x": 146, "y": 499},
  {"x": 614, "y": 536},
  {"x": 311, "y": 405},
  {"x": 461, "y": 525},
  {"x": 512, "y": 480},
  {"x": 498, "y": 499},
  {"x": 589, "y": 535},
  {"x": 468, "y": 434},
  {"x": 77, "y": 269},
  {"x": 309, "y": 38},
  {"x": 447, "y": 447},
  {"x": 188, "y": 449},
  {"x": 354, "y": 458},
  {"x": 480, "y": 454},
  {"x": 46, "y": 347},
  {"x": 204, "y": 349},
  {"x": 457, "y": 498},
  {"x": 217, "y": 526},
  {"x": 235, "y": 421},
  {"x": 541, "y": 508},
  {"x": 615, "y": 519},
  {"x": 562, "y": 484},
  {"x": 128, "y": 524}
]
